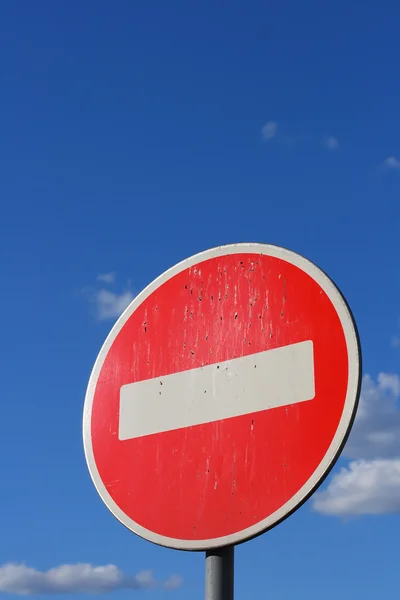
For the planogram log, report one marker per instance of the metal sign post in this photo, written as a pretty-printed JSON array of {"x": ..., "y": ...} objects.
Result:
[{"x": 220, "y": 573}]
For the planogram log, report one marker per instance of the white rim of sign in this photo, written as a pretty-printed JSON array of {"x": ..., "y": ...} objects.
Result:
[{"x": 343, "y": 430}]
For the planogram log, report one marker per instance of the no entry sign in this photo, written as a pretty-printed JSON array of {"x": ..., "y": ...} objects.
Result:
[{"x": 222, "y": 396}]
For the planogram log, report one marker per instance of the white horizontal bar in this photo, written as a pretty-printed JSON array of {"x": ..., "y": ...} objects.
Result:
[{"x": 236, "y": 387}]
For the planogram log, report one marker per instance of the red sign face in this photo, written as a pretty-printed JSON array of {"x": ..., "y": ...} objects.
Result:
[{"x": 222, "y": 397}]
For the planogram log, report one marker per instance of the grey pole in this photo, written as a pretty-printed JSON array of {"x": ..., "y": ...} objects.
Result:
[{"x": 220, "y": 573}]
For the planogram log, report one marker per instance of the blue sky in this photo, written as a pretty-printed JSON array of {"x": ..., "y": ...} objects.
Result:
[{"x": 133, "y": 135}]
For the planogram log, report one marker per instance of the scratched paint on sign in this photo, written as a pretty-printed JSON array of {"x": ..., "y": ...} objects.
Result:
[{"x": 214, "y": 479}]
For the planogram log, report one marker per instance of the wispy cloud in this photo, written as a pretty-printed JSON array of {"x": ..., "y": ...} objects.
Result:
[
  {"x": 269, "y": 130},
  {"x": 106, "y": 301},
  {"x": 77, "y": 578},
  {"x": 370, "y": 484},
  {"x": 173, "y": 582},
  {"x": 272, "y": 130},
  {"x": 391, "y": 162},
  {"x": 396, "y": 341},
  {"x": 106, "y": 277},
  {"x": 110, "y": 305},
  {"x": 331, "y": 142}
]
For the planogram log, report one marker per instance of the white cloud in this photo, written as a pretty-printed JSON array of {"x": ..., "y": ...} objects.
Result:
[
  {"x": 173, "y": 582},
  {"x": 363, "y": 488},
  {"x": 392, "y": 162},
  {"x": 376, "y": 431},
  {"x": 371, "y": 483},
  {"x": 332, "y": 143},
  {"x": 110, "y": 305},
  {"x": 389, "y": 383},
  {"x": 106, "y": 277},
  {"x": 269, "y": 130},
  {"x": 78, "y": 578}
]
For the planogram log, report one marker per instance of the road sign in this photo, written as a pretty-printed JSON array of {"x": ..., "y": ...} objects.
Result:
[{"x": 222, "y": 397}]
